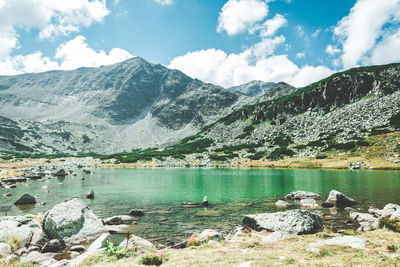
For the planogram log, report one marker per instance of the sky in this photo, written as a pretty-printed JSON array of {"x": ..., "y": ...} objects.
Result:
[{"x": 225, "y": 42}]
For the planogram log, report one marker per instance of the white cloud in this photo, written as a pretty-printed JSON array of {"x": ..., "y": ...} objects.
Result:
[
  {"x": 316, "y": 33},
  {"x": 300, "y": 30},
  {"x": 51, "y": 17},
  {"x": 271, "y": 26},
  {"x": 359, "y": 31},
  {"x": 227, "y": 70},
  {"x": 238, "y": 16},
  {"x": 300, "y": 55},
  {"x": 70, "y": 55},
  {"x": 76, "y": 53},
  {"x": 388, "y": 50},
  {"x": 331, "y": 50},
  {"x": 266, "y": 47},
  {"x": 165, "y": 2}
]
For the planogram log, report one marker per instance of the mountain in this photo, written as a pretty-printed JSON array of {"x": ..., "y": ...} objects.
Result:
[
  {"x": 128, "y": 105},
  {"x": 336, "y": 113},
  {"x": 253, "y": 88}
]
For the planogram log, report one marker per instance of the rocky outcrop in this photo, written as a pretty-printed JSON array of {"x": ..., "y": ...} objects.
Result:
[
  {"x": 298, "y": 195},
  {"x": 339, "y": 200},
  {"x": 28, "y": 231},
  {"x": 25, "y": 199},
  {"x": 72, "y": 222},
  {"x": 390, "y": 210},
  {"x": 292, "y": 221},
  {"x": 367, "y": 221}
]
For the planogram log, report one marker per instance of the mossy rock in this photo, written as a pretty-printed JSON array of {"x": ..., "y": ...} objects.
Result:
[{"x": 151, "y": 259}]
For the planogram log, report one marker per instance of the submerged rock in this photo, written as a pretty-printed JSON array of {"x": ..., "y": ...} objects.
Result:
[
  {"x": 25, "y": 199},
  {"x": 60, "y": 173},
  {"x": 72, "y": 222},
  {"x": 309, "y": 203},
  {"x": 136, "y": 213},
  {"x": 298, "y": 195},
  {"x": 116, "y": 220},
  {"x": 338, "y": 199},
  {"x": 205, "y": 202},
  {"x": 292, "y": 221}
]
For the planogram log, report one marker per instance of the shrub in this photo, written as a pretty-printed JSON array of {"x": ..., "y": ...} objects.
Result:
[
  {"x": 151, "y": 259},
  {"x": 279, "y": 153},
  {"x": 118, "y": 252},
  {"x": 321, "y": 156},
  {"x": 392, "y": 224}
]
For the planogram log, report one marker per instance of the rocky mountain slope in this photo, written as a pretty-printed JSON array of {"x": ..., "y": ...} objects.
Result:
[
  {"x": 336, "y": 114},
  {"x": 253, "y": 88},
  {"x": 132, "y": 104}
]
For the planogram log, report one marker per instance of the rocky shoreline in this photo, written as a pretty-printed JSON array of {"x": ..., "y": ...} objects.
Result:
[{"x": 70, "y": 232}]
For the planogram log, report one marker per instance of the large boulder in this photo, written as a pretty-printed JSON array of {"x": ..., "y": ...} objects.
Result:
[
  {"x": 60, "y": 173},
  {"x": 338, "y": 199},
  {"x": 282, "y": 204},
  {"x": 25, "y": 199},
  {"x": 24, "y": 229},
  {"x": 72, "y": 222},
  {"x": 89, "y": 194},
  {"x": 298, "y": 195},
  {"x": 292, "y": 221}
]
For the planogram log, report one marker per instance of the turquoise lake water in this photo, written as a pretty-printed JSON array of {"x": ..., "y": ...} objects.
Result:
[{"x": 231, "y": 193}]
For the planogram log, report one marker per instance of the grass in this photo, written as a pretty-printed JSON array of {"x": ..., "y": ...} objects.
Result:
[{"x": 289, "y": 252}]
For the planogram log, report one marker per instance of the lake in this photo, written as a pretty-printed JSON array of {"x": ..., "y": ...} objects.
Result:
[{"x": 231, "y": 193}]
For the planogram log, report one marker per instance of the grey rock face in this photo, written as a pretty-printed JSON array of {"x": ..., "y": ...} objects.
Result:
[
  {"x": 338, "y": 199},
  {"x": 131, "y": 104},
  {"x": 253, "y": 88},
  {"x": 298, "y": 195},
  {"x": 72, "y": 222},
  {"x": 292, "y": 221},
  {"x": 25, "y": 199}
]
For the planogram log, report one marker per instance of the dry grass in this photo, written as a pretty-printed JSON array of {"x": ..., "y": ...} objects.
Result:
[{"x": 289, "y": 252}]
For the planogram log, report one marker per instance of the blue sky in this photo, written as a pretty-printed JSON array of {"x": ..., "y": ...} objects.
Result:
[{"x": 220, "y": 41}]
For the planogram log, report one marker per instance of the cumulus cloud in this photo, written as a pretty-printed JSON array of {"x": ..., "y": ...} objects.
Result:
[
  {"x": 73, "y": 54},
  {"x": 359, "y": 31},
  {"x": 238, "y": 16},
  {"x": 227, "y": 70},
  {"x": 165, "y": 2},
  {"x": 270, "y": 26},
  {"x": 388, "y": 50},
  {"x": 331, "y": 50}
]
